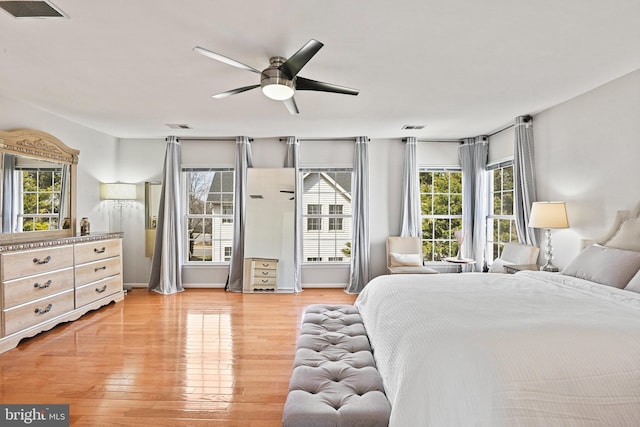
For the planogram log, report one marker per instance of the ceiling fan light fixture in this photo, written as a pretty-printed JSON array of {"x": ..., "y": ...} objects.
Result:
[{"x": 277, "y": 91}]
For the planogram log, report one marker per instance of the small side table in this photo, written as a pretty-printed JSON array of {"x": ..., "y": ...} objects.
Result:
[
  {"x": 460, "y": 261},
  {"x": 514, "y": 268}
]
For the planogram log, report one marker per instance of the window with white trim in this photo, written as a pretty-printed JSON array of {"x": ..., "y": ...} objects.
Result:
[
  {"x": 326, "y": 215},
  {"x": 441, "y": 212},
  {"x": 209, "y": 214},
  {"x": 501, "y": 222},
  {"x": 40, "y": 198}
]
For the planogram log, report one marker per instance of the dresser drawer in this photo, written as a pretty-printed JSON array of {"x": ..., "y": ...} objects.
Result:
[
  {"x": 14, "y": 265},
  {"x": 20, "y": 291},
  {"x": 94, "y": 271},
  {"x": 261, "y": 264},
  {"x": 27, "y": 315},
  {"x": 259, "y": 273},
  {"x": 259, "y": 282},
  {"x": 93, "y": 251},
  {"x": 87, "y": 294}
]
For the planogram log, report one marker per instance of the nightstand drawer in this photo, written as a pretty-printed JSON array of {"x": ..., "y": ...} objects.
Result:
[{"x": 94, "y": 291}]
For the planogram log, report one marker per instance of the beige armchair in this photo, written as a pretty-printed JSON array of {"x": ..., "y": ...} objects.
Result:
[
  {"x": 404, "y": 256},
  {"x": 515, "y": 254}
]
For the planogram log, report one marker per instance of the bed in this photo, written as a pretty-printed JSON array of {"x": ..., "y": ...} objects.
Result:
[{"x": 530, "y": 349}]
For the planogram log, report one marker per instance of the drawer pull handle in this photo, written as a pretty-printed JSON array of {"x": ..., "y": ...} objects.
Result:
[
  {"x": 45, "y": 310},
  {"x": 45, "y": 285},
  {"x": 265, "y": 264},
  {"x": 99, "y": 291},
  {"x": 99, "y": 251},
  {"x": 104, "y": 267},
  {"x": 265, "y": 280},
  {"x": 42, "y": 261},
  {"x": 264, "y": 273}
]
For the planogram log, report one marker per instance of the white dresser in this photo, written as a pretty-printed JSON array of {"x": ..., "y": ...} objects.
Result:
[
  {"x": 50, "y": 282},
  {"x": 260, "y": 274}
]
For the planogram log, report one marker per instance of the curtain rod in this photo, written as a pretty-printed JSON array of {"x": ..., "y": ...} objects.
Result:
[
  {"x": 206, "y": 138},
  {"x": 459, "y": 141},
  {"x": 323, "y": 139}
]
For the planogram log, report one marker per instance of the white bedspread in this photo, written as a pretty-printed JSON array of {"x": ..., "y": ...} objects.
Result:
[{"x": 531, "y": 349}]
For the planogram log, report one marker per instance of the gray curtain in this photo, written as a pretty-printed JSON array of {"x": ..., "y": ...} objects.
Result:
[
  {"x": 359, "y": 276},
  {"x": 475, "y": 205},
  {"x": 524, "y": 179},
  {"x": 292, "y": 160},
  {"x": 243, "y": 161},
  {"x": 411, "y": 224},
  {"x": 9, "y": 195},
  {"x": 166, "y": 265}
]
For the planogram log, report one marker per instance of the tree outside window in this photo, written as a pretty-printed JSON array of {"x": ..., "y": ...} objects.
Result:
[{"x": 441, "y": 209}]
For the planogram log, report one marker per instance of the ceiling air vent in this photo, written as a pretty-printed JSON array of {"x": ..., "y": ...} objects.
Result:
[
  {"x": 32, "y": 9},
  {"x": 178, "y": 126},
  {"x": 412, "y": 127}
]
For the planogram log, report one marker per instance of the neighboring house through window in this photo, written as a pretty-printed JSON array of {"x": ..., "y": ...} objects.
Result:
[
  {"x": 209, "y": 214},
  {"x": 501, "y": 224},
  {"x": 441, "y": 212},
  {"x": 326, "y": 215}
]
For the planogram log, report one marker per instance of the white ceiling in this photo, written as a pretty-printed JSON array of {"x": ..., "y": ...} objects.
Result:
[{"x": 460, "y": 67}]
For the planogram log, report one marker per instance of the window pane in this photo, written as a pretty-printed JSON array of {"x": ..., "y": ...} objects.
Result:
[
  {"x": 507, "y": 203},
  {"x": 507, "y": 179},
  {"x": 456, "y": 182},
  {"x": 441, "y": 204},
  {"x": 426, "y": 182},
  {"x": 456, "y": 204},
  {"x": 440, "y": 182},
  {"x": 426, "y": 204}
]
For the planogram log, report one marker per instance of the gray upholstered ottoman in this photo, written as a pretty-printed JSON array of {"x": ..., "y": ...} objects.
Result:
[{"x": 335, "y": 381}]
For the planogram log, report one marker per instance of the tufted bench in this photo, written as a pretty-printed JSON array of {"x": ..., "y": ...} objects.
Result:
[{"x": 335, "y": 381}]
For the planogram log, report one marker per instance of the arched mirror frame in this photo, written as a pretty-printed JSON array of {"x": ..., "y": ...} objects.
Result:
[{"x": 41, "y": 145}]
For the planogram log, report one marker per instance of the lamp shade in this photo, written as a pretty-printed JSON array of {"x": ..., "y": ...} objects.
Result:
[
  {"x": 117, "y": 191},
  {"x": 548, "y": 215}
]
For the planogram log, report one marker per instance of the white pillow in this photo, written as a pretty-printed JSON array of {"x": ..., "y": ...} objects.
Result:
[
  {"x": 497, "y": 266},
  {"x": 605, "y": 265},
  {"x": 634, "y": 283},
  {"x": 405, "y": 260}
]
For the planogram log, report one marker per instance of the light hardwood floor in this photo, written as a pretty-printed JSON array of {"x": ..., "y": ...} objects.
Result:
[{"x": 198, "y": 358}]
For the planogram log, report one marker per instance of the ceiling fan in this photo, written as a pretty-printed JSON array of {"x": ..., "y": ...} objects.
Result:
[{"x": 280, "y": 79}]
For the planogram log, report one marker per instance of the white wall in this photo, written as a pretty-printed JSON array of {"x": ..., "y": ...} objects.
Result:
[{"x": 587, "y": 153}]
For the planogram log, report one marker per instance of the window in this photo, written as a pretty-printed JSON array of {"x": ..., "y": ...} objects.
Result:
[
  {"x": 227, "y": 213},
  {"x": 326, "y": 215},
  {"x": 209, "y": 218},
  {"x": 441, "y": 207},
  {"x": 40, "y": 198},
  {"x": 501, "y": 223}
]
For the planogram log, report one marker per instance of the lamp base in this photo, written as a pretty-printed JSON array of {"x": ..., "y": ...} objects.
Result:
[{"x": 549, "y": 267}]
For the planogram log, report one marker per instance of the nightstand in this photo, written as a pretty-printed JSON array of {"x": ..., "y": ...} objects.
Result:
[{"x": 514, "y": 268}]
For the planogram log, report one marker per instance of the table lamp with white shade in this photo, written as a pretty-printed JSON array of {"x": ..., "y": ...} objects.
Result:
[{"x": 548, "y": 215}]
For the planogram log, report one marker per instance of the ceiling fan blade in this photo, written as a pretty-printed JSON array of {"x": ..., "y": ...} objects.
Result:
[
  {"x": 291, "y": 105},
  {"x": 224, "y": 59},
  {"x": 234, "y": 91},
  {"x": 308, "y": 84},
  {"x": 294, "y": 64}
]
